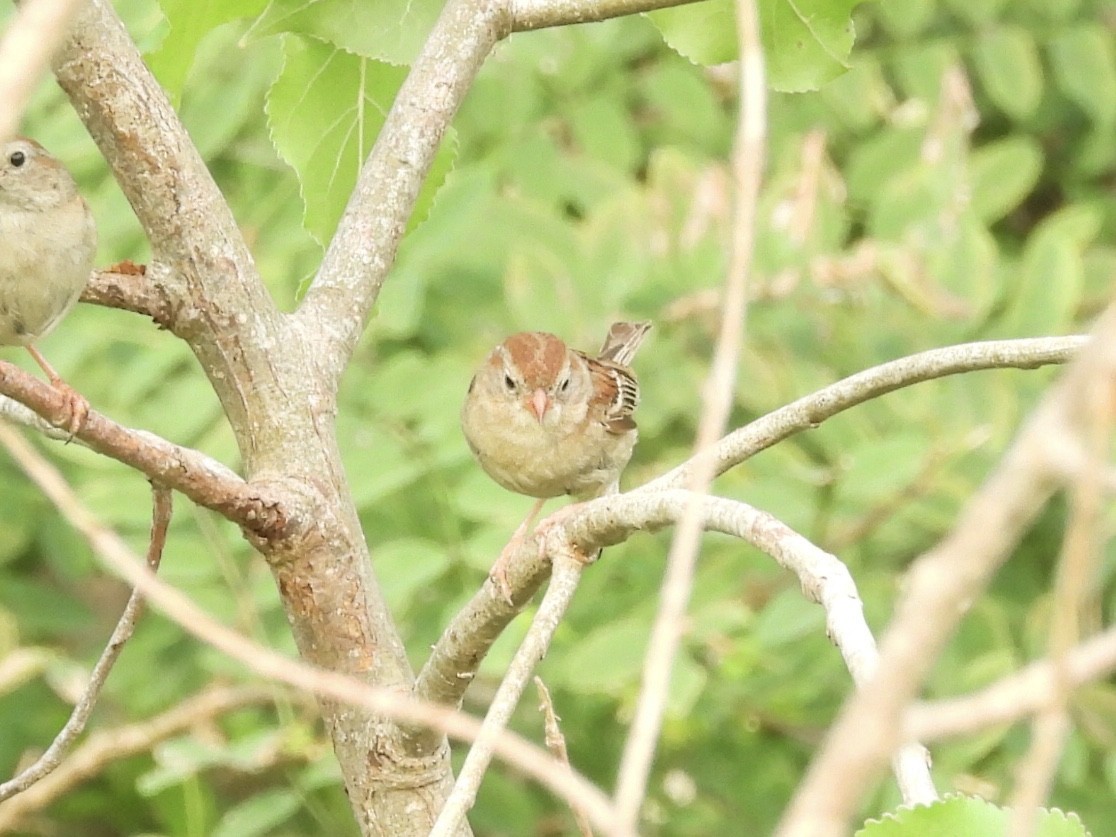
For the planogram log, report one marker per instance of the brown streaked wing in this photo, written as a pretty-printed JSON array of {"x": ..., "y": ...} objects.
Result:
[{"x": 621, "y": 390}]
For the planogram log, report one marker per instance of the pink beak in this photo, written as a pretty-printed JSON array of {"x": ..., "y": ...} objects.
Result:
[{"x": 540, "y": 403}]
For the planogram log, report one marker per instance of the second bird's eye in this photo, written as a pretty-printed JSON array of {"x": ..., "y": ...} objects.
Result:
[
  {"x": 17, "y": 159},
  {"x": 509, "y": 382}
]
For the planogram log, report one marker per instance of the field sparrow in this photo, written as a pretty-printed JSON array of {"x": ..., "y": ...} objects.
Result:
[
  {"x": 47, "y": 243},
  {"x": 546, "y": 420}
]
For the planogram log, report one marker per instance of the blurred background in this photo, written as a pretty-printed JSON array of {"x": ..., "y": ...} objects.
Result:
[{"x": 955, "y": 184}]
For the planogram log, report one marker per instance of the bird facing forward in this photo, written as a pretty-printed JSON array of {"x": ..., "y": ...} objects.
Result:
[{"x": 545, "y": 420}]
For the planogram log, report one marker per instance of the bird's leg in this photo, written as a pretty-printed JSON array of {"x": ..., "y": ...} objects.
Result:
[
  {"x": 566, "y": 512},
  {"x": 76, "y": 405},
  {"x": 561, "y": 516},
  {"x": 499, "y": 571}
]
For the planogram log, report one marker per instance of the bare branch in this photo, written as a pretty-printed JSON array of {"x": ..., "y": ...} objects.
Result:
[
  {"x": 138, "y": 289},
  {"x": 1080, "y": 554},
  {"x": 1013, "y": 697},
  {"x": 717, "y": 398},
  {"x": 25, "y": 52},
  {"x": 541, "y": 14},
  {"x": 205, "y": 481},
  {"x": 185, "y": 216},
  {"x": 384, "y": 702},
  {"x": 563, "y": 583},
  {"x": 556, "y": 743},
  {"x": 339, "y": 300},
  {"x": 808, "y": 412},
  {"x": 941, "y": 584},
  {"x": 466, "y": 640},
  {"x": 125, "y": 627},
  {"x": 207, "y": 278},
  {"x": 107, "y": 746}
]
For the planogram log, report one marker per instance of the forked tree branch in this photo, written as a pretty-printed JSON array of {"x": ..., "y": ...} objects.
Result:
[
  {"x": 941, "y": 585},
  {"x": 466, "y": 640},
  {"x": 383, "y": 702},
  {"x": 204, "y": 480}
]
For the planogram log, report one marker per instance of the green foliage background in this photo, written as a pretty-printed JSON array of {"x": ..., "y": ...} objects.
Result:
[{"x": 964, "y": 192}]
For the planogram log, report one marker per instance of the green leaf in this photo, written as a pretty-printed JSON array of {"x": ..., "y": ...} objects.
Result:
[
  {"x": 806, "y": 42},
  {"x": 1008, "y": 64},
  {"x": 967, "y": 816},
  {"x": 976, "y": 11},
  {"x": 1084, "y": 61},
  {"x": 1002, "y": 174},
  {"x": 324, "y": 113},
  {"x": 608, "y": 660},
  {"x": 1048, "y": 292},
  {"x": 407, "y": 565},
  {"x": 190, "y": 21},
  {"x": 384, "y": 30},
  {"x": 258, "y": 814},
  {"x": 907, "y": 18}
]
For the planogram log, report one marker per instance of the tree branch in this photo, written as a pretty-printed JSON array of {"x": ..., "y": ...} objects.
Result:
[
  {"x": 466, "y": 640},
  {"x": 111, "y": 745},
  {"x": 717, "y": 397},
  {"x": 941, "y": 584},
  {"x": 125, "y": 627},
  {"x": 25, "y": 51},
  {"x": 559, "y": 594},
  {"x": 541, "y": 14},
  {"x": 381, "y": 701},
  {"x": 1013, "y": 697},
  {"x": 205, "y": 481},
  {"x": 138, "y": 289},
  {"x": 340, "y": 299},
  {"x": 206, "y": 276},
  {"x": 808, "y": 412}
]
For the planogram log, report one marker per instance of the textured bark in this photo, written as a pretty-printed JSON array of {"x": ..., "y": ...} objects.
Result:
[{"x": 276, "y": 374}]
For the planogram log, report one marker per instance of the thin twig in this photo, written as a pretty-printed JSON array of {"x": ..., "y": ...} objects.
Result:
[
  {"x": 25, "y": 52},
  {"x": 563, "y": 583},
  {"x": 125, "y": 627},
  {"x": 811, "y": 410},
  {"x": 556, "y": 744},
  {"x": 1013, "y": 697},
  {"x": 542, "y": 14},
  {"x": 109, "y": 745},
  {"x": 717, "y": 398},
  {"x": 172, "y": 603},
  {"x": 1080, "y": 553}
]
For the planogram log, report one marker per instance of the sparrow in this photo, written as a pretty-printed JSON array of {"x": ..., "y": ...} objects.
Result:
[
  {"x": 544, "y": 420},
  {"x": 47, "y": 243}
]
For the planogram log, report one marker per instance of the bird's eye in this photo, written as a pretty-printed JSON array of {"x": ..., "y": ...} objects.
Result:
[
  {"x": 564, "y": 386},
  {"x": 17, "y": 159},
  {"x": 509, "y": 382}
]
